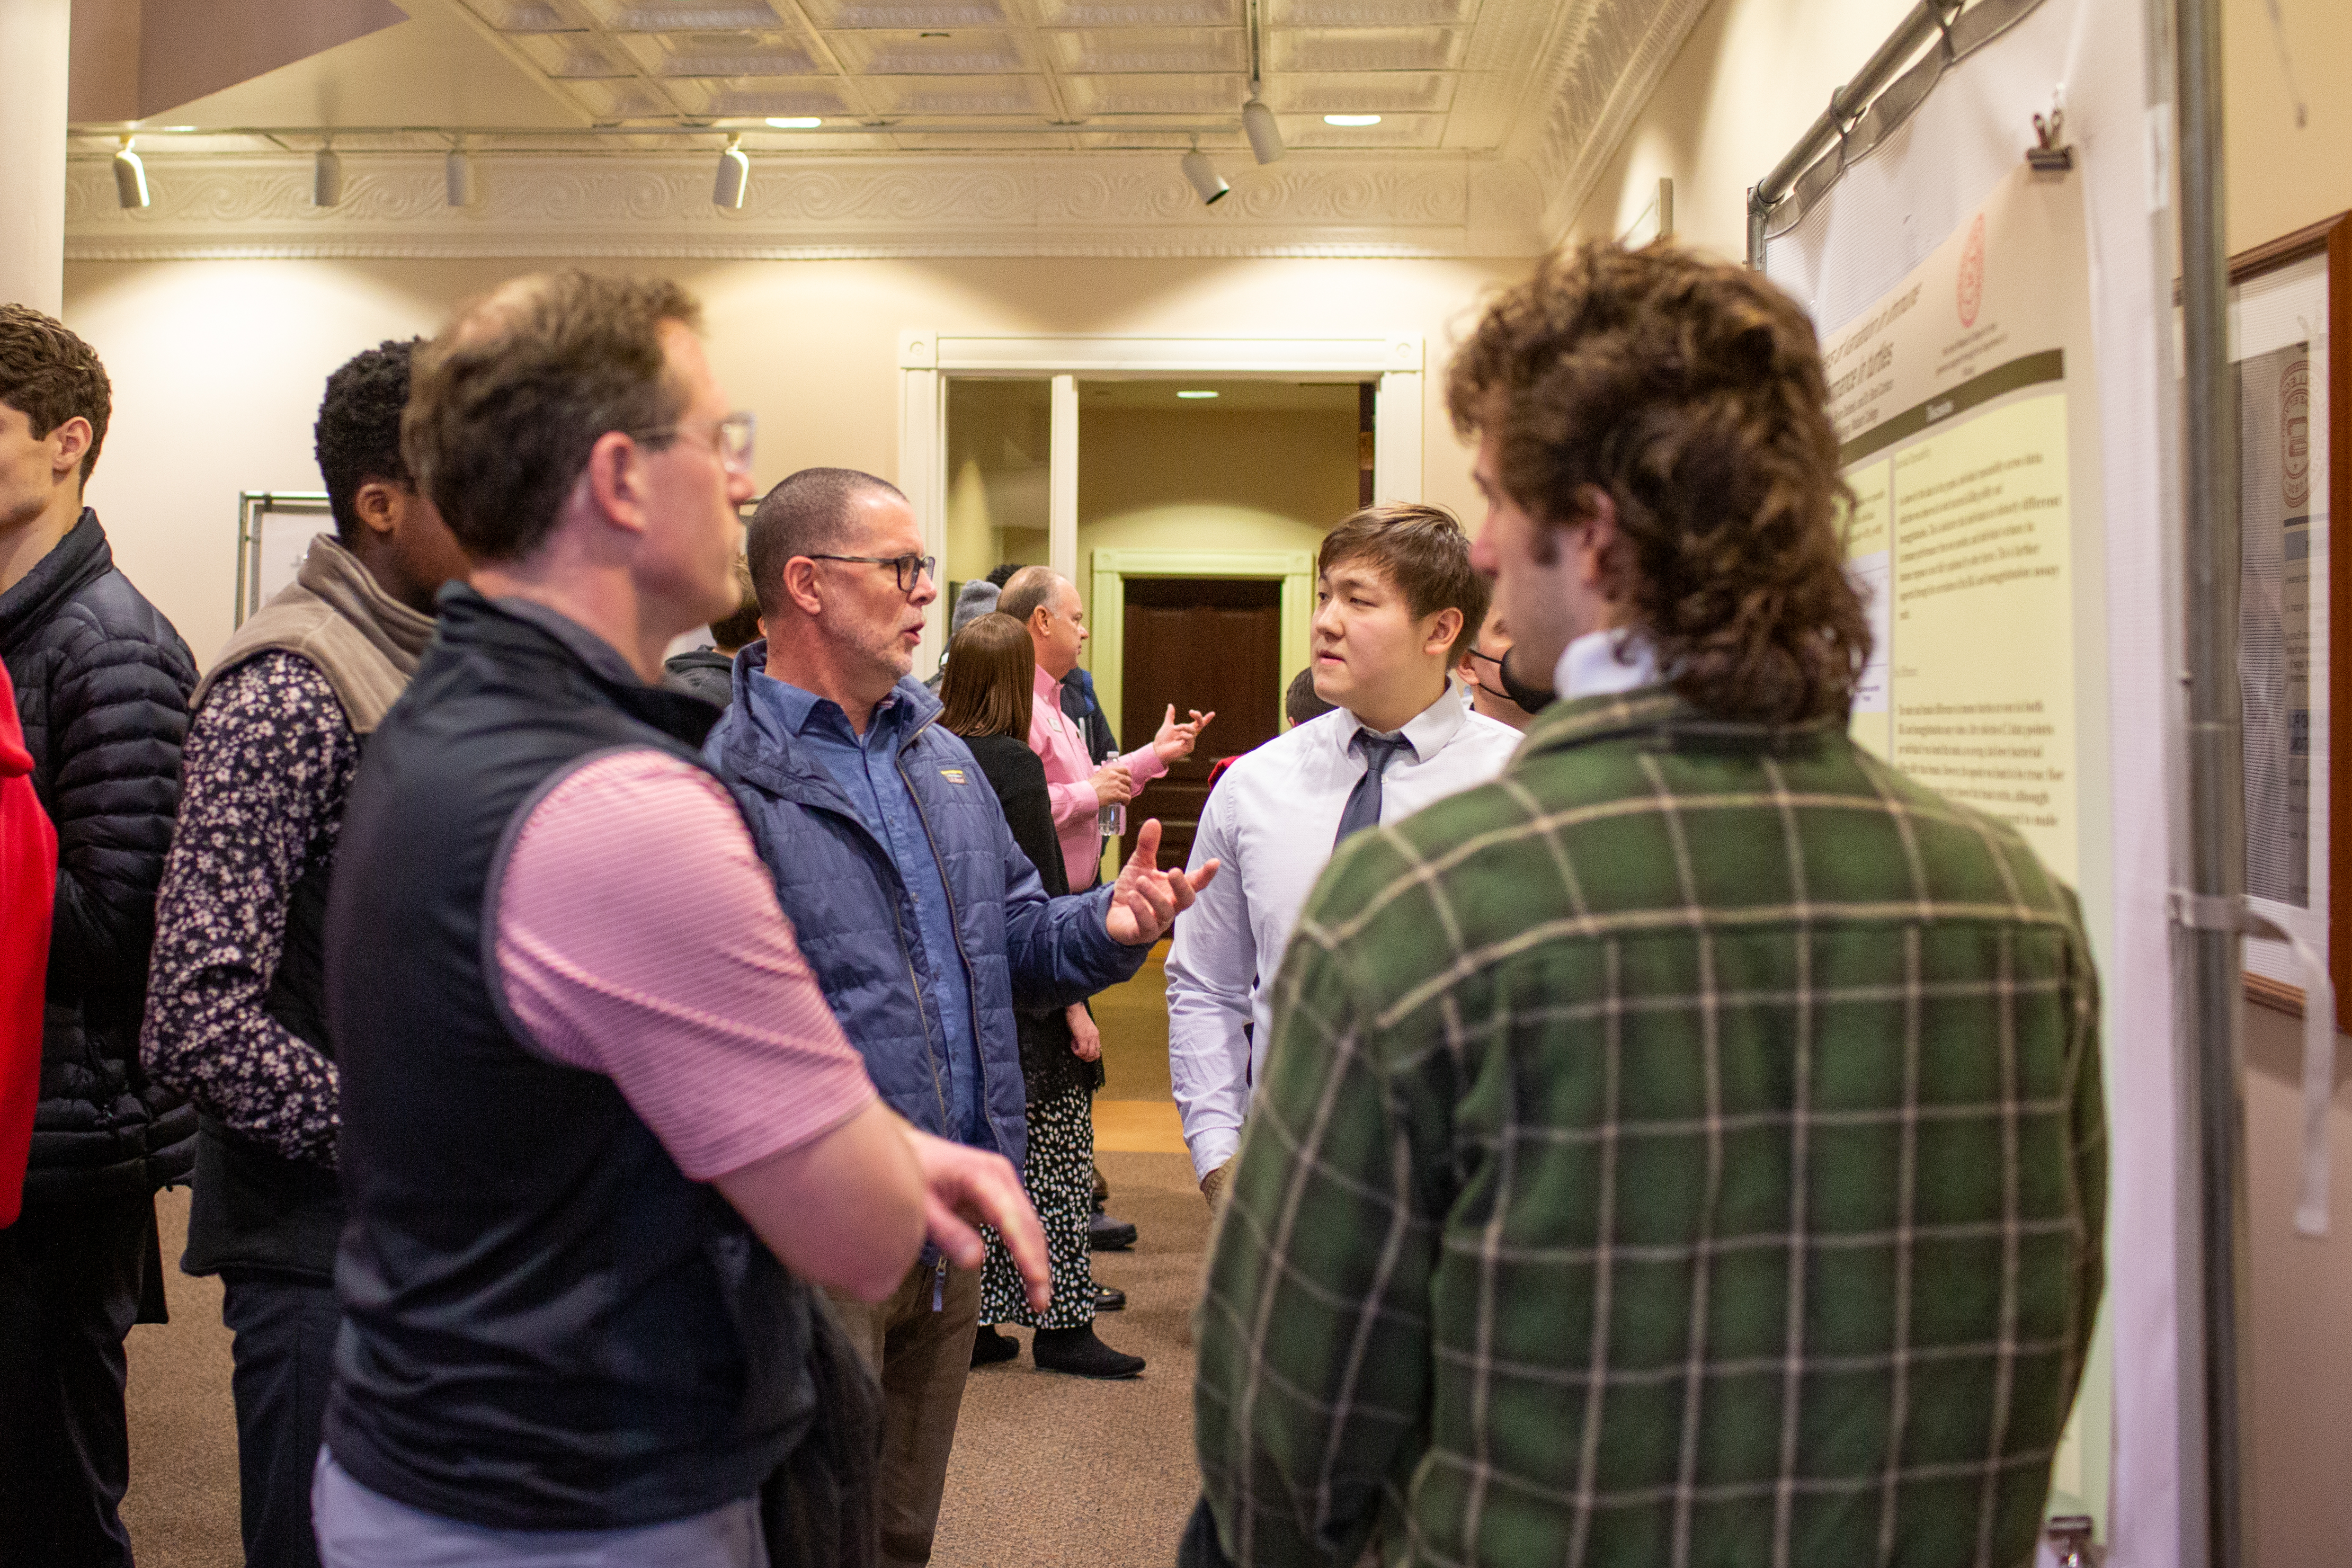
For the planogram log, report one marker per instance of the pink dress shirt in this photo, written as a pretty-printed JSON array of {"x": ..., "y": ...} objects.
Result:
[
  {"x": 639, "y": 937},
  {"x": 1077, "y": 814}
]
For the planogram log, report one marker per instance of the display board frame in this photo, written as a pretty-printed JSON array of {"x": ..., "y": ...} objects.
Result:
[
  {"x": 259, "y": 555},
  {"x": 2330, "y": 238}
]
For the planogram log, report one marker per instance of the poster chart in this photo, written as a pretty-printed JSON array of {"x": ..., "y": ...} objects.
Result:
[
  {"x": 1957, "y": 397},
  {"x": 2280, "y": 349}
]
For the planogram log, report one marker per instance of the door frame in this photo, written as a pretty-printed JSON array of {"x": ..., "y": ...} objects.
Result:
[
  {"x": 1111, "y": 568},
  {"x": 1391, "y": 361}
]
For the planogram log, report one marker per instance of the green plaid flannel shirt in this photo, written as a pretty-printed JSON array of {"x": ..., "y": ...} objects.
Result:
[{"x": 1687, "y": 1148}]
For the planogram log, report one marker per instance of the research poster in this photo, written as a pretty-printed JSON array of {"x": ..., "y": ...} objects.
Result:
[{"x": 1964, "y": 405}]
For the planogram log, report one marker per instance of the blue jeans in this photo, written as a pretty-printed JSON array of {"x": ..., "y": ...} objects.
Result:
[{"x": 285, "y": 1361}]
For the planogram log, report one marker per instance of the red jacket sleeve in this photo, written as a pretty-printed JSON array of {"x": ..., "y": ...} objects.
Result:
[{"x": 28, "y": 872}]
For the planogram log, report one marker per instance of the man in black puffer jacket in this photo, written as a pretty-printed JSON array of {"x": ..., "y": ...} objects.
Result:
[{"x": 102, "y": 681}]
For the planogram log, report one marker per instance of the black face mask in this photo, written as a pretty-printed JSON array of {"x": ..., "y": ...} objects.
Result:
[{"x": 1533, "y": 699}]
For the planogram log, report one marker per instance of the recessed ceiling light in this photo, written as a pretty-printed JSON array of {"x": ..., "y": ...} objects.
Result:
[
  {"x": 800, "y": 123},
  {"x": 1352, "y": 119},
  {"x": 1196, "y": 394}
]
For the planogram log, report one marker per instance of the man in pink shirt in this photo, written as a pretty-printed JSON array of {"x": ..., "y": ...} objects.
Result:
[
  {"x": 1047, "y": 603},
  {"x": 600, "y": 1130}
]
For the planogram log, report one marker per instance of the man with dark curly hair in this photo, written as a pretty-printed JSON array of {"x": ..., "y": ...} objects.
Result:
[
  {"x": 1688, "y": 1148},
  {"x": 101, "y": 681},
  {"x": 235, "y": 1012}
]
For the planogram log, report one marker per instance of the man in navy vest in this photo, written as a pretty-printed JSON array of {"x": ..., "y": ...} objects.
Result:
[
  {"x": 599, "y": 1132},
  {"x": 925, "y": 922}
]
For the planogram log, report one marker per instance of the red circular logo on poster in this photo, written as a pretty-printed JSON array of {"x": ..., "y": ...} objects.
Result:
[
  {"x": 1972, "y": 265},
  {"x": 2295, "y": 434}
]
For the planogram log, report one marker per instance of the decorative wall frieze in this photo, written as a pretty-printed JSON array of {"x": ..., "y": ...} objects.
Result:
[
  {"x": 1402, "y": 205},
  {"x": 1604, "y": 60}
]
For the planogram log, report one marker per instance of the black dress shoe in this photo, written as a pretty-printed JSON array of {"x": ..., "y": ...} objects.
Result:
[
  {"x": 1105, "y": 1234},
  {"x": 989, "y": 1347},
  {"x": 1079, "y": 1352},
  {"x": 1107, "y": 1300}
]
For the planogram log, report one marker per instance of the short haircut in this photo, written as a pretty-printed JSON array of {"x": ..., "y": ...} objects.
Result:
[
  {"x": 1691, "y": 393},
  {"x": 741, "y": 624},
  {"x": 1302, "y": 701},
  {"x": 1003, "y": 572},
  {"x": 50, "y": 375},
  {"x": 1029, "y": 590},
  {"x": 505, "y": 406},
  {"x": 357, "y": 436},
  {"x": 1423, "y": 551},
  {"x": 807, "y": 513},
  {"x": 992, "y": 678}
]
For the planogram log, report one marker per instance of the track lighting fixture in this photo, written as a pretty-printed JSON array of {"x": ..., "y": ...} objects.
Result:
[
  {"x": 130, "y": 178},
  {"x": 1207, "y": 183},
  {"x": 1264, "y": 135},
  {"x": 457, "y": 176},
  {"x": 326, "y": 179},
  {"x": 734, "y": 176}
]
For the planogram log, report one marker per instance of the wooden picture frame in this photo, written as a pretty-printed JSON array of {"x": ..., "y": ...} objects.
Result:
[{"x": 2330, "y": 238}]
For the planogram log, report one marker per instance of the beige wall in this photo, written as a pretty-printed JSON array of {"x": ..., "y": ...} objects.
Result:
[
  {"x": 1747, "y": 81},
  {"x": 1198, "y": 479},
  {"x": 2299, "y": 1301},
  {"x": 219, "y": 365},
  {"x": 2281, "y": 177},
  {"x": 1755, "y": 73}
]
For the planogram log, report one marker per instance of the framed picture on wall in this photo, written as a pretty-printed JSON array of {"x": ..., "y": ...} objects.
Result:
[{"x": 2288, "y": 304}]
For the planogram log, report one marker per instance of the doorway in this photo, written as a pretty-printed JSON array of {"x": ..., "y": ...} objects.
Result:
[{"x": 1210, "y": 643}]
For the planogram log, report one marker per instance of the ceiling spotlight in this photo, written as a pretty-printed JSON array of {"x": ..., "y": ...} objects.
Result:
[
  {"x": 1207, "y": 183},
  {"x": 797, "y": 122},
  {"x": 1264, "y": 135},
  {"x": 1196, "y": 394},
  {"x": 130, "y": 178},
  {"x": 734, "y": 176},
  {"x": 1352, "y": 119},
  {"x": 326, "y": 179},
  {"x": 457, "y": 174}
]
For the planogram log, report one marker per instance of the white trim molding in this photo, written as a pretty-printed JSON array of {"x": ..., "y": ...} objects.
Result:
[
  {"x": 657, "y": 205},
  {"x": 1111, "y": 568},
  {"x": 1604, "y": 60}
]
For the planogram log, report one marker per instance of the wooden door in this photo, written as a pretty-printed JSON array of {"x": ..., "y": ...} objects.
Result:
[{"x": 1210, "y": 643}]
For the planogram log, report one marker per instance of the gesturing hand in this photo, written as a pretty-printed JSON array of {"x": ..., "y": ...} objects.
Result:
[
  {"x": 965, "y": 1187},
  {"x": 1146, "y": 901},
  {"x": 1175, "y": 740}
]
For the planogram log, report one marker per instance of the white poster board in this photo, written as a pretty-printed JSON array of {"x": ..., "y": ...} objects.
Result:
[{"x": 1903, "y": 212}]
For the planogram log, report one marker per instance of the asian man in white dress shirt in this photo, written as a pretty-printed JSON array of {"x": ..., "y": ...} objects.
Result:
[{"x": 1397, "y": 604}]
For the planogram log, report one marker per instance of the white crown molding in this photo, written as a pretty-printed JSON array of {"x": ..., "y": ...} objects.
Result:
[
  {"x": 1604, "y": 59},
  {"x": 658, "y": 205}
]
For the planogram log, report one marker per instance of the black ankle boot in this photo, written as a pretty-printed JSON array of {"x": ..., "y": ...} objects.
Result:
[
  {"x": 989, "y": 1347},
  {"x": 1078, "y": 1351}
]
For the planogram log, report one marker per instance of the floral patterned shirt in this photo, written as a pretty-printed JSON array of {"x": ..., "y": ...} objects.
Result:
[{"x": 270, "y": 758}]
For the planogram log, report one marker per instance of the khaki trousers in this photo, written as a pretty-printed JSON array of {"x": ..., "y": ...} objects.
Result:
[{"x": 922, "y": 1356}]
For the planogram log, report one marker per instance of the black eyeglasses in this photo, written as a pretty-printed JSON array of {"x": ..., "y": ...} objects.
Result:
[{"x": 909, "y": 570}]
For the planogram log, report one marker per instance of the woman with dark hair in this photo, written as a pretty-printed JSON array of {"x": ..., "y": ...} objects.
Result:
[{"x": 991, "y": 679}]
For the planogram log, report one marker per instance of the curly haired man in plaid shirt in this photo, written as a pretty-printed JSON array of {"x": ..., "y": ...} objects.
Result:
[{"x": 1687, "y": 1149}]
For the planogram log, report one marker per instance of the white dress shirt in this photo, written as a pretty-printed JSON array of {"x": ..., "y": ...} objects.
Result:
[{"x": 1270, "y": 821}]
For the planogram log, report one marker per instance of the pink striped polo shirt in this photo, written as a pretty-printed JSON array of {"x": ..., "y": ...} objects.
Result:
[{"x": 638, "y": 936}]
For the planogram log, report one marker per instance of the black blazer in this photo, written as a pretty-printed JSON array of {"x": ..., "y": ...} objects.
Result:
[{"x": 1047, "y": 1065}]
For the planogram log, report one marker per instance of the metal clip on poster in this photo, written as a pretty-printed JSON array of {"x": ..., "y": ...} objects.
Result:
[{"x": 2196, "y": 911}]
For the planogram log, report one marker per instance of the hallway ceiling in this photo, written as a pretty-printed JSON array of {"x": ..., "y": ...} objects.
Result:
[
  {"x": 887, "y": 76},
  {"x": 1439, "y": 73}
]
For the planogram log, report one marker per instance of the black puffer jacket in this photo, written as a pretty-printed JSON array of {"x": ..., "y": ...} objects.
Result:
[{"x": 102, "y": 682}]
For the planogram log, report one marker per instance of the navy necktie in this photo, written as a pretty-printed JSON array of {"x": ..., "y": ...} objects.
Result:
[{"x": 1363, "y": 808}]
